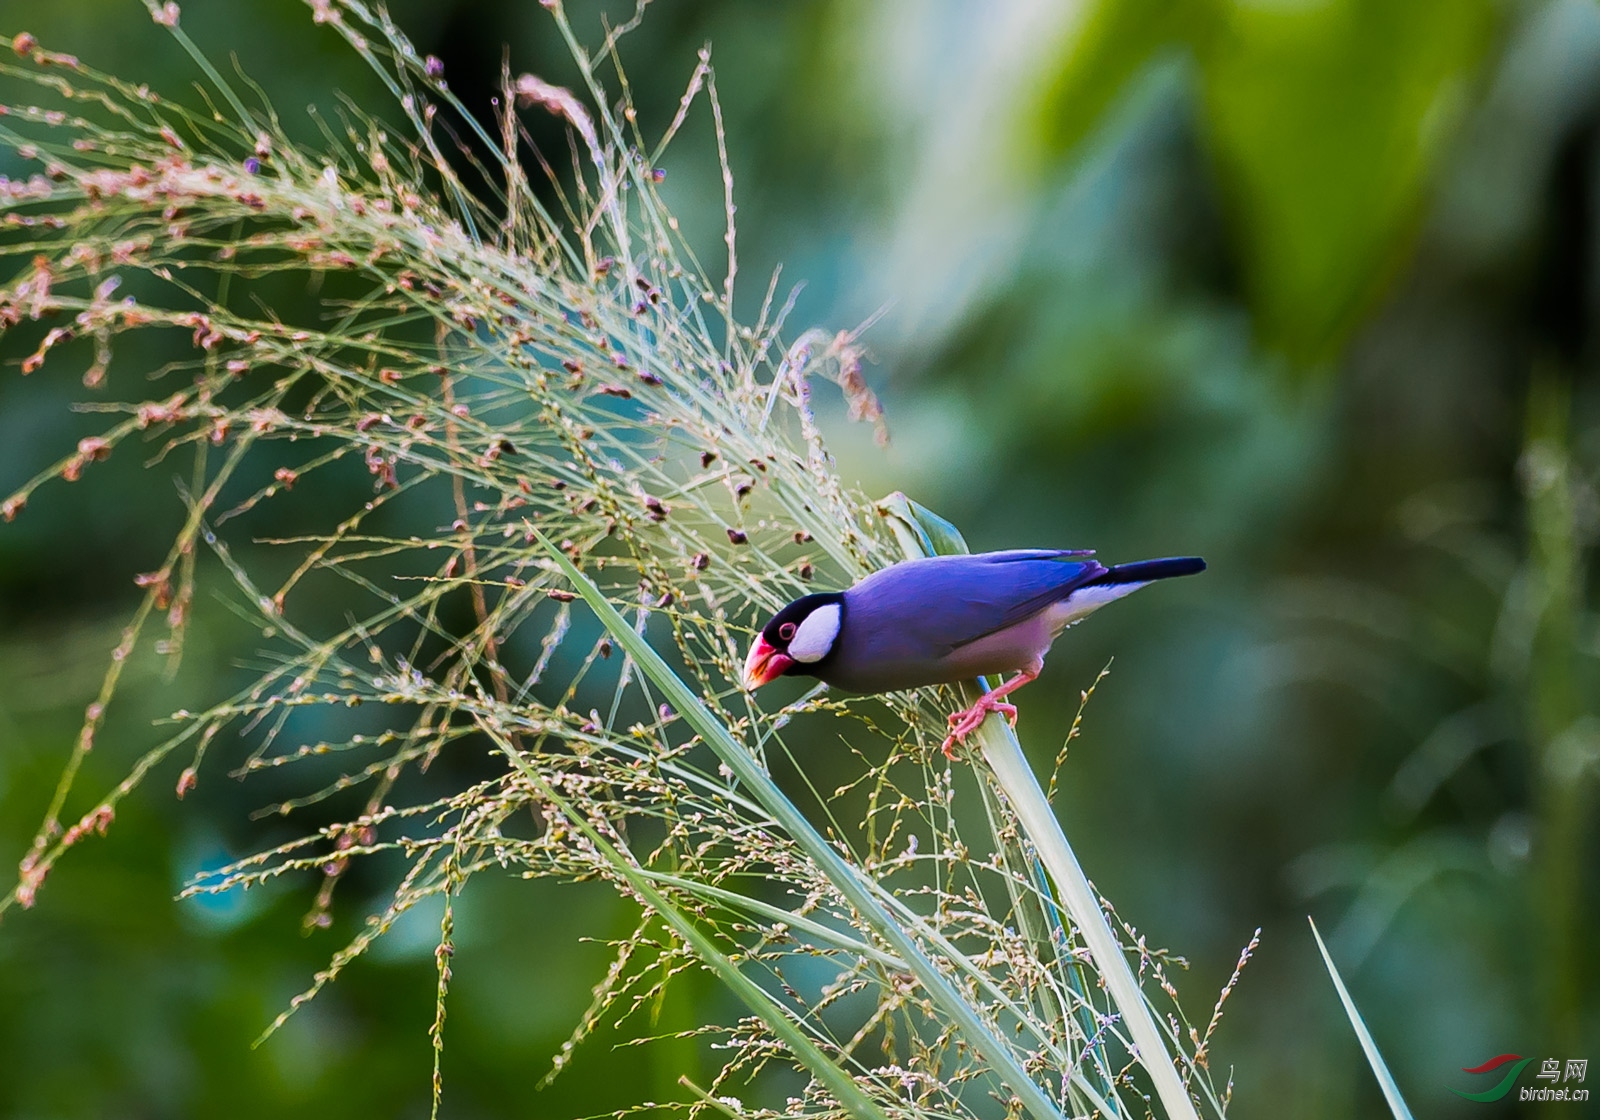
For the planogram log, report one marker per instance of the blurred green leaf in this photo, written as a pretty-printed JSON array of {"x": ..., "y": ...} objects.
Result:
[
  {"x": 1115, "y": 42},
  {"x": 1325, "y": 123}
]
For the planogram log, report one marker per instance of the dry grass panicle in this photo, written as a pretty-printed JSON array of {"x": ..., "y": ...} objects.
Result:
[{"x": 551, "y": 398}]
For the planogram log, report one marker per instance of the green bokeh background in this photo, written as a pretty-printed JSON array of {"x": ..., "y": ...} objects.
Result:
[{"x": 1307, "y": 287}]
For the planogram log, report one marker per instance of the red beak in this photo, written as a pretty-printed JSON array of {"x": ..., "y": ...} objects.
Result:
[{"x": 765, "y": 664}]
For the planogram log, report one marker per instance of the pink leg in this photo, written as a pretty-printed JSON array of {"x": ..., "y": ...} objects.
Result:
[{"x": 966, "y": 721}]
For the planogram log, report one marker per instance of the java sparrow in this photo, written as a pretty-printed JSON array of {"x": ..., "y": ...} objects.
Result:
[{"x": 945, "y": 619}]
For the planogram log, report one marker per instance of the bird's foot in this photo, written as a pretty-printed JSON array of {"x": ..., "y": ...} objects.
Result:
[
  {"x": 966, "y": 721},
  {"x": 983, "y": 708}
]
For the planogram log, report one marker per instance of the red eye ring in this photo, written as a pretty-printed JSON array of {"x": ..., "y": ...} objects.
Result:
[{"x": 786, "y": 631}]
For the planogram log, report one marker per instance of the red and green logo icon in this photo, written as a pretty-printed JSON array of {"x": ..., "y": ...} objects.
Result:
[{"x": 1506, "y": 1082}]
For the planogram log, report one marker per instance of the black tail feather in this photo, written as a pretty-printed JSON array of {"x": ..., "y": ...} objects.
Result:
[{"x": 1143, "y": 571}]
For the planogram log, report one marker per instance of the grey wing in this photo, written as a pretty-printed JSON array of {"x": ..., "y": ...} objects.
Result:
[{"x": 927, "y": 608}]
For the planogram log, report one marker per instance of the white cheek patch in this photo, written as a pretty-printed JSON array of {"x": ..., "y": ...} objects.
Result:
[
  {"x": 1086, "y": 600},
  {"x": 816, "y": 634}
]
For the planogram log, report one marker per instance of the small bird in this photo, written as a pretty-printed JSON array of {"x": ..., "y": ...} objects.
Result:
[{"x": 944, "y": 619}]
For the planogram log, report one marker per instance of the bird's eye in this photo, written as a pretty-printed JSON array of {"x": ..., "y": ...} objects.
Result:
[{"x": 786, "y": 631}]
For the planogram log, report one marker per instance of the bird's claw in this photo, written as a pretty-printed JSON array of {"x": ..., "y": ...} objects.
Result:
[
  {"x": 981, "y": 710},
  {"x": 968, "y": 720}
]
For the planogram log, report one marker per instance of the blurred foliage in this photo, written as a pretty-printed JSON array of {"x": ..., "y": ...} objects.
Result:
[
  {"x": 1324, "y": 123},
  {"x": 1111, "y": 251}
]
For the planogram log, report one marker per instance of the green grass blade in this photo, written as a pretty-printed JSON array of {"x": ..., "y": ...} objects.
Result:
[
  {"x": 1000, "y": 1058},
  {"x": 1003, "y": 753},
  {"x": 824, "y": 1069},
  {"x": 799, "y": 924},
  {"x": 1391, "y": 1091},
  {"x": 918, "y": 530}
]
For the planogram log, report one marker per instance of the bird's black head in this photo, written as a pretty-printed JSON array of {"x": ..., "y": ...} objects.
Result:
[{"x": 797, "y": 638}]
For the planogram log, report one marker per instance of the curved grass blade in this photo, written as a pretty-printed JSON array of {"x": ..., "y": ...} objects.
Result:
[{"x": 918, "y": 530}]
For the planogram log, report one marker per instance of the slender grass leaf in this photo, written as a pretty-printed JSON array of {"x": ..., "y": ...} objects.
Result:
[
  {"x": 838, "y": 1080},
  {"x": 1380, "y": 1070}
]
